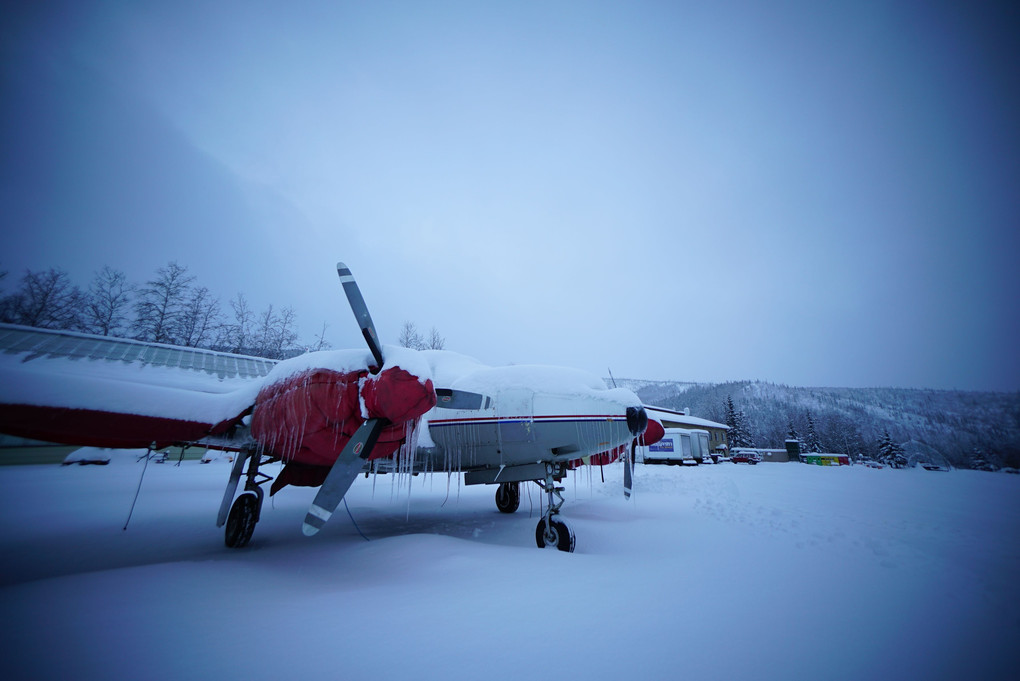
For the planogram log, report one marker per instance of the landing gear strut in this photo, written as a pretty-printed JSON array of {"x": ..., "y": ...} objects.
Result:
[
  {"x": 247, "y": 508},
  {"x": 550, "y": 530}
]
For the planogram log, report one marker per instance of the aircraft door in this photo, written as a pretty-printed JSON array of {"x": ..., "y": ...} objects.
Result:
[{"x": 515, "y": 410}]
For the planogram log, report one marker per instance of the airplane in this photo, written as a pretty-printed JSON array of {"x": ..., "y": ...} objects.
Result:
[{"x": 329, "y": 416}]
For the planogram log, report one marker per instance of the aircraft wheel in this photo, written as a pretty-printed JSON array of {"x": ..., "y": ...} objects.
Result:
[
  {"x": 557, "y": 535},
  {"x": 508, "y": 496},
  {"x": 241, "y": 521}
]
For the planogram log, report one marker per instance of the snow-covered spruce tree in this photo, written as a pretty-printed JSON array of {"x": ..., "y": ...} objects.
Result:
[
  {"x": 884, "y": 448},
  {"x": 791, "y": 432},
  {"x": 738, "y": 435},
  {"x": 890, "y": 453},
  {"x": 812, "y": 443},
  {"x": 980, "y": 462},
  {"x": 731, "y": 415},
  {"x": 743, "y": 432}
]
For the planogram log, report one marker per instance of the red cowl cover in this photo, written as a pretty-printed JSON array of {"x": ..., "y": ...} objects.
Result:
[{"x": 308, "y": 418}]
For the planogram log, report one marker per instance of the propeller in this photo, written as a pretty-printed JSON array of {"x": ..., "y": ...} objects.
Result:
[
  {"x": 637, "y": 422},
  {"x": 359, "y": 448}
]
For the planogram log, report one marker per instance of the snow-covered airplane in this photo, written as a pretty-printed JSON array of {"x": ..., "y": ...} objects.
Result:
[{"x": 329, "y": 416}]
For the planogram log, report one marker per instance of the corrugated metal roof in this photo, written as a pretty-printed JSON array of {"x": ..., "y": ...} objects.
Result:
[
  {"x": 35, "y": 343},
  {"x": 661, "y": 415}
]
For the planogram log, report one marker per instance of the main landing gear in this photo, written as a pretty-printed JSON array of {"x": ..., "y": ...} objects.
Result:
[
  {"x": 246, "y": 509},
  {"x": 508, "y": 496},
  {"x": 552, "y": 532}
]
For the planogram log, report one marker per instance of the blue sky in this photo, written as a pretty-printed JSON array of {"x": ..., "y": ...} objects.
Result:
[{"x": 807, "y": 194}]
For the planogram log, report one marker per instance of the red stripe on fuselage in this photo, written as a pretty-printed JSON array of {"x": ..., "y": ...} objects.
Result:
[{"x": 587, "y": 418}]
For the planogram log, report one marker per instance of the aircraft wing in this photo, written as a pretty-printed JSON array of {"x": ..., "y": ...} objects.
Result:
[{"x": 73, "y": 388}]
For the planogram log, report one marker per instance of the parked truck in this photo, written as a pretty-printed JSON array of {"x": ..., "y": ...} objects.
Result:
[{"x": 679, "y": 446}]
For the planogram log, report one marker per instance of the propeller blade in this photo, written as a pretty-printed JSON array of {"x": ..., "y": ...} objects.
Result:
[
  {"x": 360, "y": 309},
  {"x": 447, "y": 398},
  {"x": 637, "y": 422},
  {"x": 628, "y": 480},
  {"x": 341, "y": 476}
]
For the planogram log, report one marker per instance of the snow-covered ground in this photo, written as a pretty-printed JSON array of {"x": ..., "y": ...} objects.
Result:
[{"x": 776, "y": 571}]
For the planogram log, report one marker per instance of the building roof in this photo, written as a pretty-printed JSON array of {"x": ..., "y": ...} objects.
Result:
[
  {"x": 35, "y": 343},
  {"x": 662, "y": 415}
]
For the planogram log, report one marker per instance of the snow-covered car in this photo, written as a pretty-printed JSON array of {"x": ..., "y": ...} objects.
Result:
[
  {"x": 88, "y": 455},
  {"x": 873, "y": 464},
  {"x": 745, "y": 457}
]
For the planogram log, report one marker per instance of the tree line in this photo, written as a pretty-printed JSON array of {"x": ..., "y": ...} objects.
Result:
[
  {"x": 168, "y": 308},
  {"x": 892, "y": 425}
]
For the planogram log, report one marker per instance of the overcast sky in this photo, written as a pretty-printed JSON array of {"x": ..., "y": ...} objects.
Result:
[{"x": 820, "y": 194}]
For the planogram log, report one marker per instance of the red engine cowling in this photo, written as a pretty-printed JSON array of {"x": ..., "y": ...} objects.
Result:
[{"x": 307, "y": 419}]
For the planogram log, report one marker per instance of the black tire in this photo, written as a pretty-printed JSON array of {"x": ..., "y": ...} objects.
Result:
[
  {"x": 508, "y": 496},
  {"x": 559, "y": 536},
  {"x": 241, "y": 521}
]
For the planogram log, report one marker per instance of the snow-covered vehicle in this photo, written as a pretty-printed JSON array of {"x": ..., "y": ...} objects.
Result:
[
  {"x": 745, "y": 456},
  {"x": 88, "y": 455}
]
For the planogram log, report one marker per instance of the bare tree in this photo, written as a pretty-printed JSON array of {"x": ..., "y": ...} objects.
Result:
[
  {"x": 199, "y": 319},
  {"x": 274, "y": 332},
  {"x": 237, "y": 336},
  {"x": 161, "y": 304},
  {"x": 435, "y": 341},
  {"x": 264, "y": 330},
  {"x": 285, "y": 336},
  {"x": 106, "y": 303},
  {"x": 410, "y": 338},
  {"x": 46, "y": 299},
  {"x": 320, "y": 341}
]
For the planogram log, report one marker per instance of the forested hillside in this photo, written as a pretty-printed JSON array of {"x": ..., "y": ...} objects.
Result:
[{"x": 964, "y": 429}]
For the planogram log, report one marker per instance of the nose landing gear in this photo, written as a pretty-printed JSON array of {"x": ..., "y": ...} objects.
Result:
[{"x": 552, "y": 532}]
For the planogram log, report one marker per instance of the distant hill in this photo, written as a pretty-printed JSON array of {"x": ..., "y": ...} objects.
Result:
[{"x": 942, "y": 426}]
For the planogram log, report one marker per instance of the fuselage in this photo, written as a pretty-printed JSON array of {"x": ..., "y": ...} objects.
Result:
[{"x": 535, "y": 414}]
